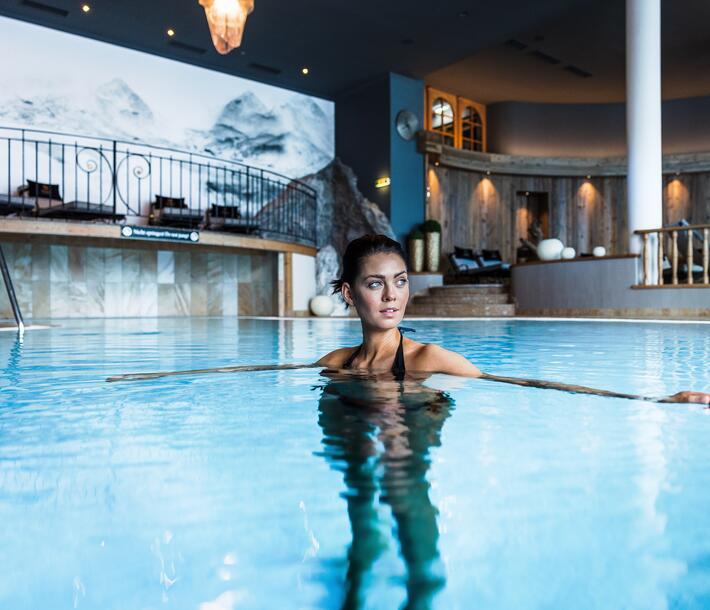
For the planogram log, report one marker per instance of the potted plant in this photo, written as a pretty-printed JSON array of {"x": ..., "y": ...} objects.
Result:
[
  {"x": 416, "y": 250},
  {"x": 432, "y": 239}
]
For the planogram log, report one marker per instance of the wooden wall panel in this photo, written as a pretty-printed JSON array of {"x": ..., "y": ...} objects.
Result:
[{"x": 481, "y": 211}]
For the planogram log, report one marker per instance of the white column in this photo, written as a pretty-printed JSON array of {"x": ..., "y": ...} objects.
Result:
[{"x": 643, "y": 119}]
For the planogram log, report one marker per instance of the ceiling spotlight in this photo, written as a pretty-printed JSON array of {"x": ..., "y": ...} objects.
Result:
[
  {"x": 171, "y": 32},
  {"x": 85, "y": 7},
  {"x": 304, "y": 71}
]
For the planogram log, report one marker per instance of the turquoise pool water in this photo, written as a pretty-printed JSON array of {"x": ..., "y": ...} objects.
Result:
[{"x": 291, "y": 490}]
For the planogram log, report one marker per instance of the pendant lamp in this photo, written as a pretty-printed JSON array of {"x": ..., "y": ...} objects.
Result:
[{"x": 226, "y": 19}]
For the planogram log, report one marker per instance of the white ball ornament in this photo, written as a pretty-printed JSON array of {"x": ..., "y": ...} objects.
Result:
[
  {"x": 599, "y": 251},
  {"x": 322, "y": 306},
  {"x": 568, "y": 253},
  {"x": 550, "y": 249}
]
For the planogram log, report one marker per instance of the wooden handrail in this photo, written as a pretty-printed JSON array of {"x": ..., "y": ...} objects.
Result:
[
  {"x": 653, "y": 248},
  {"x": 671, "y": 229}
]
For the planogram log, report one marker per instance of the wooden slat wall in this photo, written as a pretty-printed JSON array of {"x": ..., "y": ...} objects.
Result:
[{"x": 480, "y": 211}]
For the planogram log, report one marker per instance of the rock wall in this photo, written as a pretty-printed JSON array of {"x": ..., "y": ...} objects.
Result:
[{"x": 343, "y": 214}]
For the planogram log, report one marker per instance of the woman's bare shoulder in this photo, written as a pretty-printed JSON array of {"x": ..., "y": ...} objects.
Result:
[
  {"x": 337, "y": 358},
  {"x": 432, "y": 358}
]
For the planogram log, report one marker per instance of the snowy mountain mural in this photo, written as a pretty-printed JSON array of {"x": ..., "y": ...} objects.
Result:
[{"x": 95, "y": 89}]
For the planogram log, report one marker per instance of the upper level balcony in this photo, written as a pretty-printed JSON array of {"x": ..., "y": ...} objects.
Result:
[{"x": 59, "y": 176}]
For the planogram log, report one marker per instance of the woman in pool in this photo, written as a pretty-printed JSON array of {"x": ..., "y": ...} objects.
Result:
[{"x": 374, "y": 282}]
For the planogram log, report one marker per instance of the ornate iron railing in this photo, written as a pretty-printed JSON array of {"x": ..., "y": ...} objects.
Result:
[{"x": 66, "y": 176}]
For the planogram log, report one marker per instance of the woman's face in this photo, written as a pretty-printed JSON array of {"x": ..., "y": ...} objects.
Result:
[{"x": 381, "y": 290}]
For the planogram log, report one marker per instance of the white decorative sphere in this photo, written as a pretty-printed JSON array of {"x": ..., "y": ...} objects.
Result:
[
  {"x": 550, "y": 249},
  {"x": 322, "y": 306},
  {"x": 568, "y": 252},
  {"x": 599, "y": 251}
]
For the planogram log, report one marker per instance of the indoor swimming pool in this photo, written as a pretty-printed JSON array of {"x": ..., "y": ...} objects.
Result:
[{"x": 290, "y": 489}]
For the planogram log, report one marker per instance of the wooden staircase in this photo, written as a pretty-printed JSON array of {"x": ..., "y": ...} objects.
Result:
[{"x": 463, "y": 300}]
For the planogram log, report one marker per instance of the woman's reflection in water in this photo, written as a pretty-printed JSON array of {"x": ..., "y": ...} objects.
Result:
[{"x": 379, "y": 431}]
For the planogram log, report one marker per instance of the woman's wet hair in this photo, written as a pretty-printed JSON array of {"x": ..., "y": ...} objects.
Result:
[{"x": 358, "y": 250}]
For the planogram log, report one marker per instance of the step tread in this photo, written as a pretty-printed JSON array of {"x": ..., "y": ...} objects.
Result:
[
  {"x": 474, "y": 299},
  {"x": 507, "y": 309},
  {"x": 469, "y": 289}
]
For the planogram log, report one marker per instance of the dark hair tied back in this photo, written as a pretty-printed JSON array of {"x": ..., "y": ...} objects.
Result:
[{"x": 358, "y": 250}]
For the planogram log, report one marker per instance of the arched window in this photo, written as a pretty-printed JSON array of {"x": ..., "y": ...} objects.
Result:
[
  {"x": 443, "y": 120},
  {"x": 471, "y": 129},
  {"x": 457, "y": 121}
]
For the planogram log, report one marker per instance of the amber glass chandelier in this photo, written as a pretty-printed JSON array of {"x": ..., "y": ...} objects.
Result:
[{"x": 226, "y": 19}]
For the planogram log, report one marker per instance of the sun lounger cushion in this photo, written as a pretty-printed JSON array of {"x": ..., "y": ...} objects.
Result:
[
  {"x": 41, "y": 189},
  {"x": 162, "y": 202}
]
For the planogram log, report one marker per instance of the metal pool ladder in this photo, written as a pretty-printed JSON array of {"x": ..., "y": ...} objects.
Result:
[{"x": 11, "y": 293}]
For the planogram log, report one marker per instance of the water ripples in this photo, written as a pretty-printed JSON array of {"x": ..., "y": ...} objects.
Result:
[{"x": 324, "y": 493}]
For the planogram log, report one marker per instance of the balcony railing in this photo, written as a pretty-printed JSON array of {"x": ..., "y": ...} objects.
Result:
[
  {"x": 676, "y": 256},
  {"x": 64, "y": 176}
]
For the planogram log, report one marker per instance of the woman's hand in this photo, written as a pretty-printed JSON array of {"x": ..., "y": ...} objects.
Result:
[{"x": 701, "y": 398}]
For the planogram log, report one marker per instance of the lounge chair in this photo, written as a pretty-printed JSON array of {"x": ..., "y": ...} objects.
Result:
[
  {"x": 682, "y": 271},
  {"x": 56, "y": 207},
  {"x": 16, "y": 204},
  {"x": 229, "y": 218},
  {"x": 683, "y": 239},
  {"x": 482, "y": 266},
  {"x": 80, "y": 210},
  {"x": 174, "y": 212}
]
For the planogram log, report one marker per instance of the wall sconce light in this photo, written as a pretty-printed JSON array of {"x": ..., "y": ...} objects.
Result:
[
  {"x": 488, "y": 172},
  {"x": 226, "y": 19},
  {"x": 381, "y": 183},
  {"x": 589, "y": 177}
]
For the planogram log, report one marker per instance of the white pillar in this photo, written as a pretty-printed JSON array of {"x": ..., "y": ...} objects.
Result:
[{"x": 643, "y": 118}]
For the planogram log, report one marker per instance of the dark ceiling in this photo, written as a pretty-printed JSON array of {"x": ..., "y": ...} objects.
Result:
[
  {"x": 581, "y": 57},
  {"x": 343, "y": 42},
  {"x": 463, "y": 46}
]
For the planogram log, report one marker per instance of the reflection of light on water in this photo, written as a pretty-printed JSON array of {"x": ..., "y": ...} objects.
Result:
[
  {"x": 168, "y": 573},
  {"x": 312, "y": 550},
  {"x": 225, "y": 601},
  {"x": 79, "y": 591},
  {"x": 650, "y": 526}
]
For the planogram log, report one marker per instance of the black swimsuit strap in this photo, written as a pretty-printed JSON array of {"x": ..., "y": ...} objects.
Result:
[
  {"x": 398, "y": 368},
  {"x": 352, "y": 357}
]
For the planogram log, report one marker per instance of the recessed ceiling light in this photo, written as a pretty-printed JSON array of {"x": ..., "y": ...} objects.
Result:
[
  {"x": 304, "y": 71},
  {"x": 171, "y": 32},
  {"x": 85, "y": 7}
]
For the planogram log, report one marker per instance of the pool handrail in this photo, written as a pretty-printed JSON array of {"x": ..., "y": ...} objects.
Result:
[{"x": 11, "y": 293}]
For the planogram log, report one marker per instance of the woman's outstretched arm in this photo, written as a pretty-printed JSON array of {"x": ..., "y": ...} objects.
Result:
[
  {"x": 435, "y": 359},
  {"x": 691, "y": 397}
]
